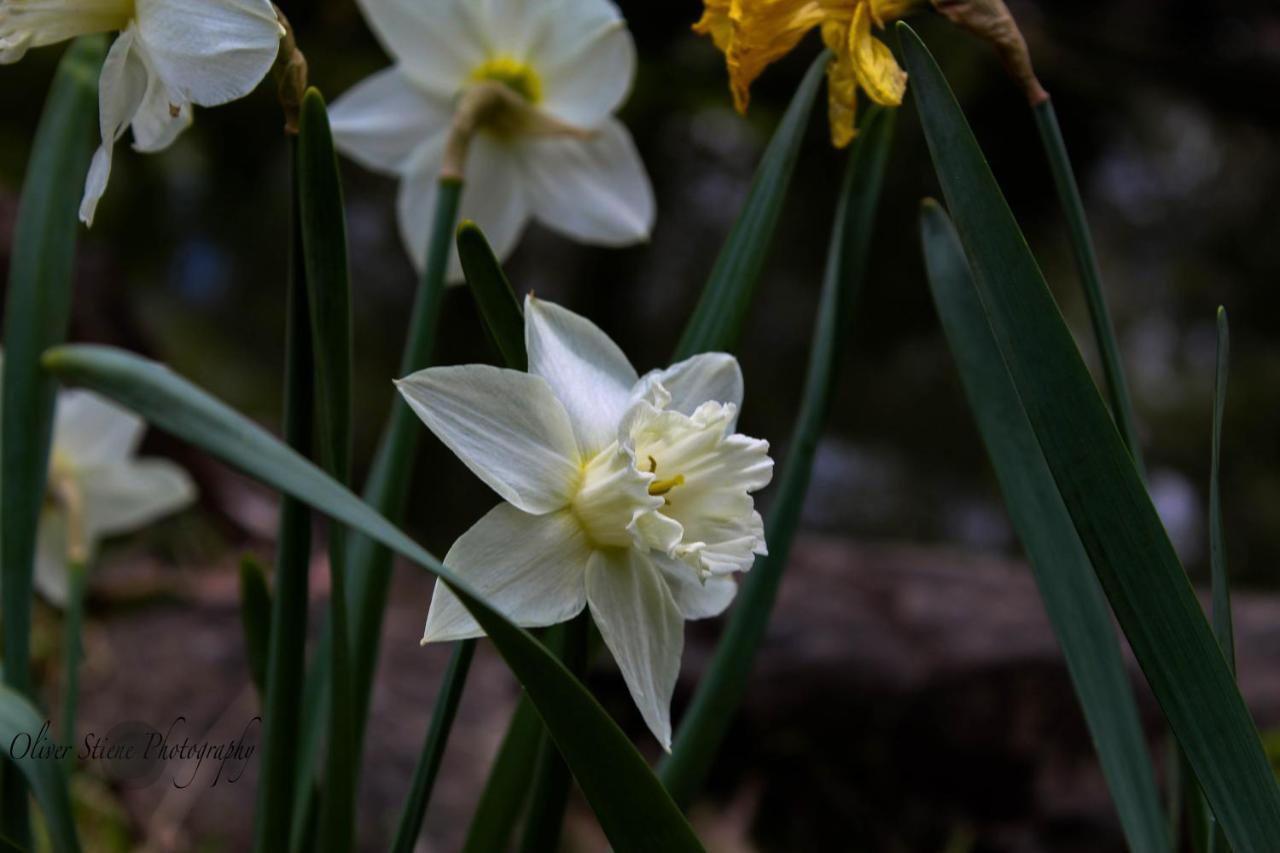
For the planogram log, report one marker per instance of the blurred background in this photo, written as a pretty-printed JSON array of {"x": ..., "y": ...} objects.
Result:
[{"x": 910, "y": 696}]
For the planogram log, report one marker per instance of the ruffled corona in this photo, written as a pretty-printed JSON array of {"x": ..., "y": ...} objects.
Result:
[{"x": 753, "y": 34}]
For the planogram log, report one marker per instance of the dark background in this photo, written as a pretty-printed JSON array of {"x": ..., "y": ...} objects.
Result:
[{"x": 1171, "y": 115}]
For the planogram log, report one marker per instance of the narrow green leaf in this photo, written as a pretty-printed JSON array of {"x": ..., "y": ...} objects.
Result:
[
  {"x": 1222, "y": 626},
  {"x": 633, "y": 809},
  {"x": 507, "y": 788},
  {"x": 424, "y": 774},
  {"x": 22, "y": 730},
  {"x": 324, "y": 254},
  {"x": 278, "y": 784},
  {"x": 37, "y": 311},
  {"x": 703, "y": 728},
  {"x": 1072, "y": 597},
  {"x": 255, "y": 616},
  {"x": 717, "y": 321},
  {"x": 1113, "y": 515},
  {"x": 503, "y": 319},
  {"x": 73, "y": 652},
  {"x": 1064, "y": 179}
]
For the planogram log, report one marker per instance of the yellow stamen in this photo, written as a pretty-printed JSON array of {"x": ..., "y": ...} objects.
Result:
[
  {"x": 660, "y": 487},
  {"x": 517, "y": 76}
]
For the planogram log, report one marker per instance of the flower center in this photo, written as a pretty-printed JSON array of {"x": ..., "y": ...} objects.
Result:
[
  {"x": 517, "y": 76},
  {"x": 659, "y": 488}
]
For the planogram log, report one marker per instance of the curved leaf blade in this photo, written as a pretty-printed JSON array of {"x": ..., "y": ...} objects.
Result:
[
  {"x": 1112, "y": 512},
  {"x": 45, "y": 776},
  {"x": 634, "y": 810}
]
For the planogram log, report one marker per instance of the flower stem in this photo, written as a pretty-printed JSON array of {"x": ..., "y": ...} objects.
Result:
[
  {"x": 73, "y": 651},
  {"x": 1055, "y": 150}
]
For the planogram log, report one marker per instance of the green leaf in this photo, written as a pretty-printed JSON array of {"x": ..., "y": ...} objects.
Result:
[
  {"x": 1072, "y": 597},
  {"x": 1222, "y": 627},
  {"x": 73, "y": 652},
  {"x": 282, "y": 746},
  {"x": 424, "y": 774},
  {"x": 255, "y": 616},
  {"x": 717, "y": 321},
  {"x": 633, "y": 809},
  {"x": 36, "y": 315},
  {"x": 703, "y": 728},
  {"x": 22, "y": 729},
  {"x": 507, "y": 787},
  {"x": 1100, "y": 486},
  {"x": 324, "y": 255},
  {"x": 503, "y": 319}
]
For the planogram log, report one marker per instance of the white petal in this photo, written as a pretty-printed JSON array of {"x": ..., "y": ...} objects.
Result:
[
  {"x": 515, "y": 28},
  {"x": 385, "y": 119},
  {"x": 709, "y": 377},
  {"x": 51, "y": 575},
  {"x": 90, "y": 431},
  {"x": 642, "y": 627},
  {"x": 157, "y": 123},
  {"x": 531, "y": 568},
  {"x": 209, "y": 53},
  {"x": 594, "y": 190},
  {"x": 696, "y": 598},
  {"x": 436, "y": 43},
  {"x": 506, "y": 426},
  {"x": 587, "y": 62},
  {"x": 121, "y": 88},
  {"x": 493, "y": 196},
  {"x": 583, "y": 366},
  {"x": 128, "y": 496}
]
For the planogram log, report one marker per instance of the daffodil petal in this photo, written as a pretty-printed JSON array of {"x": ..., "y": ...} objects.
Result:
[
  {"x": 584, "y": 367},
  {"x": 157, "y": 123},
  {"x": 878, "y": 72},
  {"x": 91, "y": 431},
  {"x": 121, "y": 88},
  {"x": 384, "y": 120},
  {"x": 696, "y": 598},
  {"x": 643, "y": 628},
  {"x": 531, "y": 568},
  {"x": 514, "y": 28},
  {"x": 710, "y": 376},
  {"x": 127, "y": 496},
  {"x": 594, "y": 190},
  {"x": 506, "y": 426},
  {"x": 51, "y": 578},
  {"x": 209, "y": 53},
  {"x": 586, "y": 61},
  {"x": 437, "y": 44}
]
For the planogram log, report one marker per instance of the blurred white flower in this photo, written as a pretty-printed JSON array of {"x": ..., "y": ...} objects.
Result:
[
  {"x": 169, "y": 55},
  {"x": 96, "y": 488},
  {"x": 627, "y": 495},
  {"x": 544, "y": 78}
]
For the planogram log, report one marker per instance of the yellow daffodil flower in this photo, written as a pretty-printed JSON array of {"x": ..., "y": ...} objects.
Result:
[{"x": 755, "y": 33}]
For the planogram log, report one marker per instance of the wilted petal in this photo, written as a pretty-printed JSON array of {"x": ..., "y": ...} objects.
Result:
[
  {"x": 209, "y": 53},
  {"x": 385, "y": 119},
  {"x": 121, "y": 88},
  {"x": 878, "y": 72},
  {"x": 696, "y": 597},
  {"x": 90, "y": 431},
  {"x": 127, "y": 496},
  {"x": 506, "y": 426},
  {"x": 530, "y": 568},
  {"x": 594, "y": 190},
  {"x": 643, "y": 628},
  {"x": 584, "y": 367},
  {"x": 587, "y": 62}
]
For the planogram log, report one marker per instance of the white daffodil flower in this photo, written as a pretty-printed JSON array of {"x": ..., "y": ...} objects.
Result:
[
  {"x": 627, "y": 495},
  {"x": 539, "y": 81},
  {"x": 169, "y": 55},
  {"x": 96, "y": 488}
]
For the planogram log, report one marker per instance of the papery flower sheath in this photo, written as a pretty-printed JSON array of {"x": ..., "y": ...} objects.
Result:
[
  {"x": 96, "y": 487},
  {"x": 752, "y": 34},
  {"x": 627, "y": 495},
  {"x": 539, "y": 81},
  {"x": 169, "y": 55}
]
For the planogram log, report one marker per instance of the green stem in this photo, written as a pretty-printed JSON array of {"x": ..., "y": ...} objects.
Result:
[
  {"x": 424, "y": 775},
  {"x": 286, "y": 655},
  {"x": 552, "y": 778},
  {"x": 1055, "y": 149},
  {"x": 73, "y": 649},
  {"x": 718, "y": 695}
]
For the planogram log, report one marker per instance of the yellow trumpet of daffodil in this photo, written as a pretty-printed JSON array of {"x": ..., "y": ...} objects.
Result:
[{"x": 755, "y": 33}]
